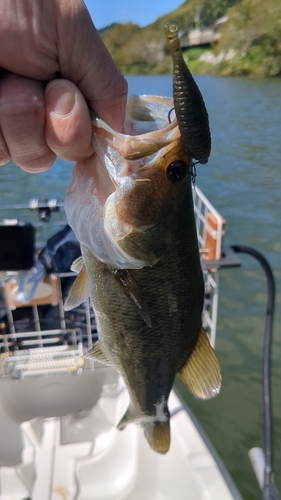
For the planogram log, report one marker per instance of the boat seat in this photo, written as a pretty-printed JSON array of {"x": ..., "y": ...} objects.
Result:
[
  {"x": 24, "y": 280},
  {"x": 47, "y": 292}
]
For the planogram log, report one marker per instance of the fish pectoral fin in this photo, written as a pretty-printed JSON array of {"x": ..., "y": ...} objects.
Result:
[
  {"x": 158, "y": 436},
  {"x": 131, "y": 289},
  {"x": 77, "y": 265},
  {"x": 79, "y": 292},
  {"x": 97, "y": 353},
  {"x": 201, "y": 373}
]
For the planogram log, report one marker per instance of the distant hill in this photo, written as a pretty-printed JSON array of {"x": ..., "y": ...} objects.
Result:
[
  {"x": 103, "y": 30},
  {"x": 250, "y": 42}
]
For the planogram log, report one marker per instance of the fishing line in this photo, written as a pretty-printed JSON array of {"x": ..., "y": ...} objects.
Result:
[
  {"x": 169, "y": 115},
  {"x": 269, "y": 491}
]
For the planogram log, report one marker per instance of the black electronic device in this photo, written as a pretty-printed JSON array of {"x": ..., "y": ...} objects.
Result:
[{"x": 16, "y": 247}]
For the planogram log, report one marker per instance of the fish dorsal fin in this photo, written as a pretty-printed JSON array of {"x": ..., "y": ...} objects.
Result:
[
  {"x": 79, "y": 292},
  {"x": 77, "y": 265},
  {"x": 97, "y": 353},
  {"x": 201, "y": 372},
  {"x": 131, "y": 289}
]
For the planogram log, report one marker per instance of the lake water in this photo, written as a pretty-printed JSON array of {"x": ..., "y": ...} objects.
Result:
[{"x": 243, "y": 181}]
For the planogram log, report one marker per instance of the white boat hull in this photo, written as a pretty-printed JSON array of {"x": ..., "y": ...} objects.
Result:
[{"x": 82, "y": 456}]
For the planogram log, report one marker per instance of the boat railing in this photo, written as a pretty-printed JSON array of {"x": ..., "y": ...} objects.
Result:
[
  {"x": 209, "y": 223},
  {"x": 47, "y": 216},
  {"x": 33, "y": 344},
  {"x": 38, "y": 357},
  {"x": 210, "y": 227}
]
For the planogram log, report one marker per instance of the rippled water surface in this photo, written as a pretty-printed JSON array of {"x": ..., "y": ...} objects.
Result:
[{"x": 243, "y": 181}]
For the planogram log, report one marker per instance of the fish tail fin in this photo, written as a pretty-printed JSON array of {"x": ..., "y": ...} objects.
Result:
[
  {"x": 201, "y": 373},
  {"x": 158, "y": 435},
  {"x": 156, "y": 432}
]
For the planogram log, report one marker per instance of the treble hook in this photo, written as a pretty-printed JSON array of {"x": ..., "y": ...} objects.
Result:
[{"x": 193, "y": 172}]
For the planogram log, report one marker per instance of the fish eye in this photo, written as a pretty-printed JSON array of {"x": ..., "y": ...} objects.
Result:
[{"x": 176, "y": 171}]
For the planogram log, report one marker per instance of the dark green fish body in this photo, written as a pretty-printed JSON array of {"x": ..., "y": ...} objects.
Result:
[
  {"x": 149, "y": 357},
  {"x": 131, "y": 208}
]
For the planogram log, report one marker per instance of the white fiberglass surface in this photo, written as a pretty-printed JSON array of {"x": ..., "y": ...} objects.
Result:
[{"x": 82, "y": 456}]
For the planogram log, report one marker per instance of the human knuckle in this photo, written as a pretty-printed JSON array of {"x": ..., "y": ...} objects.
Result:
[
  {"x": 15, "y": 105},
  {"x": 37, "y": 163}
]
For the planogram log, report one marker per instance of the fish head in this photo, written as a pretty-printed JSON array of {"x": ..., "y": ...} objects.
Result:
[{"x": 123, "y": 204}]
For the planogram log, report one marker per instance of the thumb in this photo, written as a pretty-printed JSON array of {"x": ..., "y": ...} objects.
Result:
[
  {"x": 85, "y": 61},
  {"x": 68, "y": 127}
]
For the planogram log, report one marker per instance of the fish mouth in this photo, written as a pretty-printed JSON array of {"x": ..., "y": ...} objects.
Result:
[
  {"x": 149, "y": 127},
  {"x": 109, "y": 203}
]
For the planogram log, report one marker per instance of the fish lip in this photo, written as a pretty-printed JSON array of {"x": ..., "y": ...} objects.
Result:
[
  {"x": 136, "y": 152},
  {"x": 161, "y": 127},
  {"x": 128, "y": 153}
]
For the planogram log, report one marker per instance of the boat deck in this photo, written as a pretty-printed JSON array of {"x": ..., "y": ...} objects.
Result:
[{"x": 82, "y": 456}]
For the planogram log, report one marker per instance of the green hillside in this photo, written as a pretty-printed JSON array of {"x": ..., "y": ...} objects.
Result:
[{"x": 249, "y": 43}]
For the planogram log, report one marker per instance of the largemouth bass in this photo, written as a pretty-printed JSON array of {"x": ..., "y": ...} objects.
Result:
[{"x": 131, "y": 208}]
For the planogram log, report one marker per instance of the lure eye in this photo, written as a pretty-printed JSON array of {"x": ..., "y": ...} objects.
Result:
[{"x": 176, "y": 171}]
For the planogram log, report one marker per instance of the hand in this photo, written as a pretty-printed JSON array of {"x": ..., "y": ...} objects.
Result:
[{"x": 54, "y": 66}]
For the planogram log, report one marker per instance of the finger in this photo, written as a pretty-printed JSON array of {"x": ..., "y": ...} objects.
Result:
[
  {"x": 68, "y": 124},
  {"x": 4, "y": 153},
  {"x": 90, "y": 66},
  {"x": 22, "y": 122}
]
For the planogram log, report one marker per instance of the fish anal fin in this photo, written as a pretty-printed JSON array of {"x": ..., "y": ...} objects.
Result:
[
  {"x": 129, "y": 417},
  {"x": 158, "y": 436},
  {"x": 79, "y": 292},
  {"x": 201, "y": 373},
  {"x": 131, "y": 289},
  {"x": 97, "y": 353}
]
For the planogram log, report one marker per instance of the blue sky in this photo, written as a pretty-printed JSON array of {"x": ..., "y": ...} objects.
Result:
[{"x": 141, "y": 12}]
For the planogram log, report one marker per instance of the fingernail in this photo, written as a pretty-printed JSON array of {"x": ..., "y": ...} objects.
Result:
[{"x": 61, "y": 99}]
